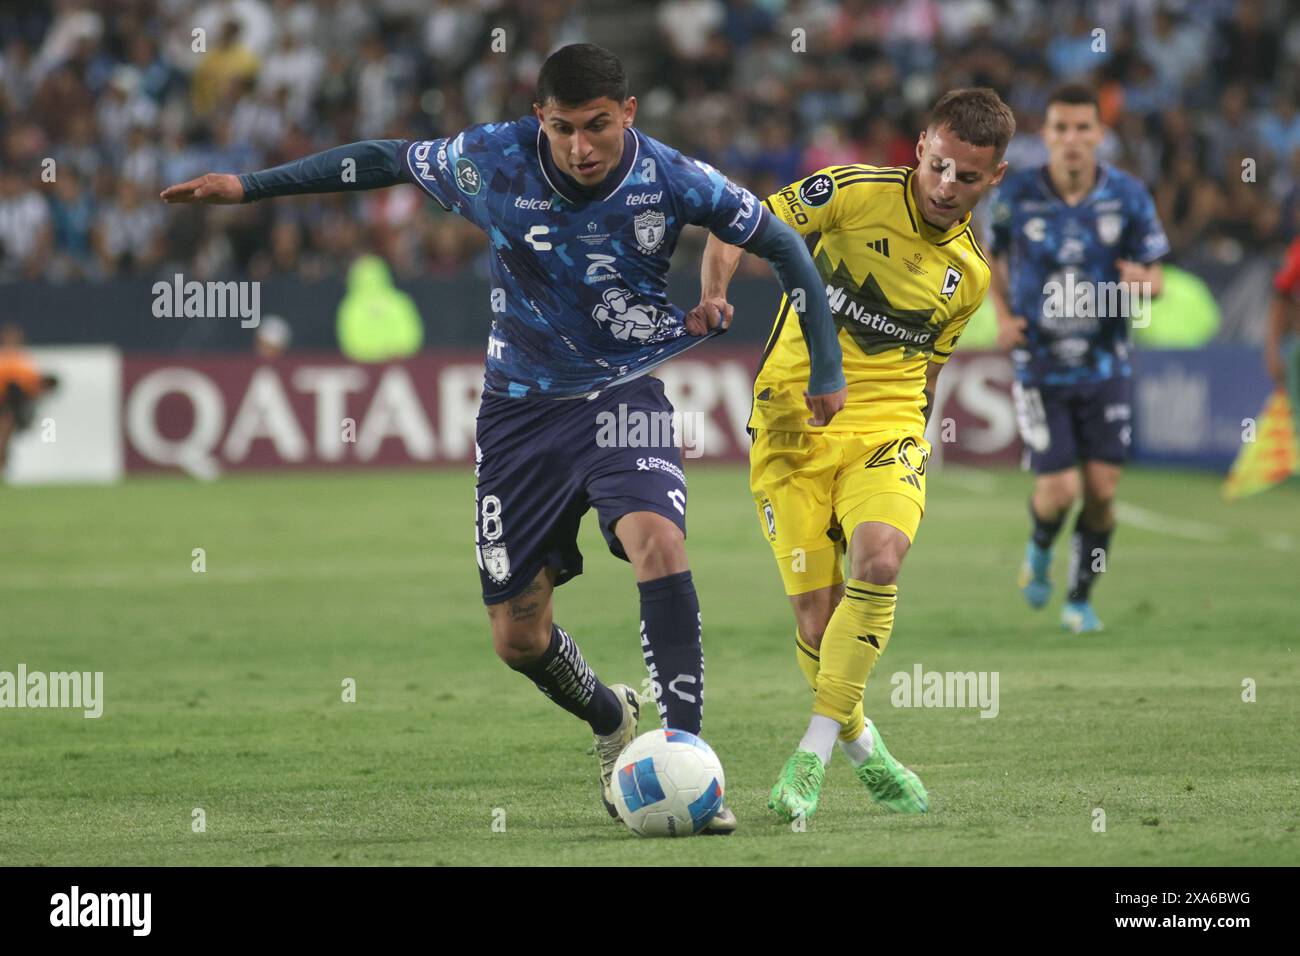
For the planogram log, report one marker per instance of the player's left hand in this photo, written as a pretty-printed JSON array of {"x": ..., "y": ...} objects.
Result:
[
  {"x": 1130, "y": 271},
  {"x": 825, "y": 407},
  {"x": 710, "y": 314}
]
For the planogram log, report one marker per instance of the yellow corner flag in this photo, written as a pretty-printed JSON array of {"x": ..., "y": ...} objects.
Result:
[{"x": 1272, "y": 457}]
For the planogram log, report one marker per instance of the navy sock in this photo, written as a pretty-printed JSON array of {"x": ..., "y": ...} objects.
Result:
[
  {"x": 1045, "y": 531},
  {"x": 563, "y": 675},
  {"x": 1091, "y": 552},
  {"x": 670, "y": 641}
]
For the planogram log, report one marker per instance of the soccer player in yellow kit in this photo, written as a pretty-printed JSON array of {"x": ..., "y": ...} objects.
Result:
[{"x": 903, "y": 274}]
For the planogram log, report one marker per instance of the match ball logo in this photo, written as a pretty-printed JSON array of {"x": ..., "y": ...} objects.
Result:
[{"x": 650, "y": 227}]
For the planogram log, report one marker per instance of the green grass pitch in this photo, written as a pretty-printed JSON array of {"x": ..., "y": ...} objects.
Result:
[{"x": 223, "y": 689}]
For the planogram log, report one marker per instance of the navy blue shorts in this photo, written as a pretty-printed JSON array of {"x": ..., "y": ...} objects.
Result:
[
  {"x": 1062, "y": 425},
  {"x": 543, "y": 463}
]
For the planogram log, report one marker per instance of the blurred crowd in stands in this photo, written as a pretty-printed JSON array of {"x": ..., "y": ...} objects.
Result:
[{"x": 126, "y": 96}]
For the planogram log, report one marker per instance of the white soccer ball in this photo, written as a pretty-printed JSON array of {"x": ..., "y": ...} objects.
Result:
[{"x": 667, "y": 783}]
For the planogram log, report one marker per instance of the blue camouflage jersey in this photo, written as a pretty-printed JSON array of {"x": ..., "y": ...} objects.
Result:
[
  {"x": 1058, "y": 258},
  {"x": 579, "y": 275}
]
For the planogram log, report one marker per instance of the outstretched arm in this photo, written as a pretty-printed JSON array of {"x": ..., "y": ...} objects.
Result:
[
  {"x": 369, "y": 164},
  {"x": 784, "y": 249}
]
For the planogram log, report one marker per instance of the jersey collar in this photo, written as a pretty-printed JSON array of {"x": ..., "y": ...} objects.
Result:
[
  {"x": 574, "y": 191},
  {"x": 1045, "y": 181},
  {"x": 933, "y": 234}
]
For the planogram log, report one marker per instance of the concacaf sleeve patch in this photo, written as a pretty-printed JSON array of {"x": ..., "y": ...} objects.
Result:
[{"x": 817, "y": 190}]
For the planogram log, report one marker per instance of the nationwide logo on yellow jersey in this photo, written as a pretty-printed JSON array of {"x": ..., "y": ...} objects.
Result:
[
  {"x": 901, "y": 291},
  {"x": 862, "y": 310}
]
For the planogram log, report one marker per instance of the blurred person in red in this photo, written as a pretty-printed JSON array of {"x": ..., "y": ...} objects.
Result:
[{"x": 1282, "y": 343}]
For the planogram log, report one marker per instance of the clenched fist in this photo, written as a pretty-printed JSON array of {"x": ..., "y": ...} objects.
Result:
[{"x": 710, "y": 314}]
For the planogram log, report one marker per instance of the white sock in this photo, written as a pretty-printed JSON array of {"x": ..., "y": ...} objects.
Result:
[
  {"x": 859, "y": 751},
  {"x": 820, "y": 737}
]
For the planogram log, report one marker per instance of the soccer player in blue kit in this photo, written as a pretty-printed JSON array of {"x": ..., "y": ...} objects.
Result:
[
  {"x": 1072, "y": 241},
  {"x": 583, "y": 212}
]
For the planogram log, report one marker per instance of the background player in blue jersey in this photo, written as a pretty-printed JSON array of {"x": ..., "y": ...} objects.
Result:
[
  {"x": 583, "y": 212},
  {"x": 1072, "y": 242}
]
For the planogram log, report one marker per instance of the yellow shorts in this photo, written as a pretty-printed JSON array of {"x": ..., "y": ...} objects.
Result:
[{"x": 813, "y": 488}]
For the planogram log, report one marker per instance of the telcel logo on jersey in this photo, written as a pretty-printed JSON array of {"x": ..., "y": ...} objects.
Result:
[
  {"x": 539, "y": 204},
  {"x": 644, "y": 199}
]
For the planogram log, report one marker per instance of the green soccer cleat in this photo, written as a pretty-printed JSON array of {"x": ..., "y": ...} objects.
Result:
[
  {"x": 610, "y": 746},
  {"x": 891, "y": 784},
  {"x": 797, "y": 789}
]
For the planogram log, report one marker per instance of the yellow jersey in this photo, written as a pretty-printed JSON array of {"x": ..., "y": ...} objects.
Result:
[{"x": 901, "y": 292}]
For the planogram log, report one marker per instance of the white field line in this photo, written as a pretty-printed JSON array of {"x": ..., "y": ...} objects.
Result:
[
  {"x": 1139, "y": 517},
  {"x": 970, "y": 479},
  {"x": 1148, "y": 520},
  {"x": 297, "y": 570},
  {"x": 981, "y": 482}
]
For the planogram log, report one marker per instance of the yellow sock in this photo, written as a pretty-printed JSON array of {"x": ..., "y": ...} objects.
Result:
[
  {"x": 808, "y": 659},
  {"x": 855, "y": 638},
  {"x": 810, "y": 662}
]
